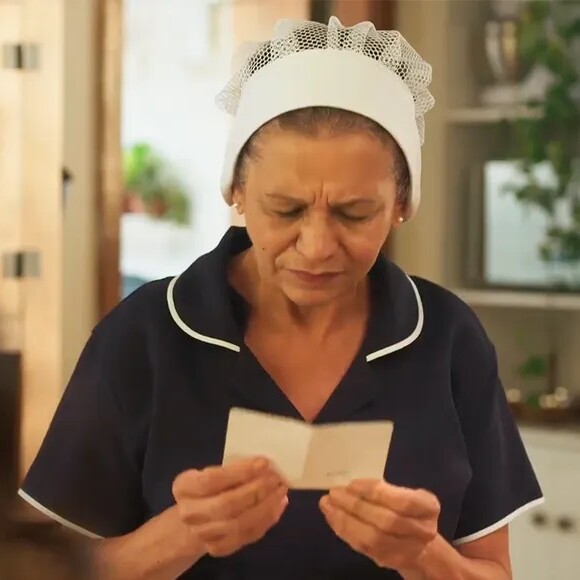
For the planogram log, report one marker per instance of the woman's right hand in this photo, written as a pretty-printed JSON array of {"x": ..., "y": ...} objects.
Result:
[{"x": 229, "y": 507}]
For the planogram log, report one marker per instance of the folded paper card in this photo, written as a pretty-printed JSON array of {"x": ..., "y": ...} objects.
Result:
[{"x": 310, "y": 456}]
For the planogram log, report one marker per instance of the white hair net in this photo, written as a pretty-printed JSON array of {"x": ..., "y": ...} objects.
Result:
[{"x": 375, "y": 73}]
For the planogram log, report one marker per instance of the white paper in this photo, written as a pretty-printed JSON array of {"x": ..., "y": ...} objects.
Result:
[{"x": 310, "y": 456}]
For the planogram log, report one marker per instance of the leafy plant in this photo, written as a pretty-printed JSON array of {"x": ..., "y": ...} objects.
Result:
[
  {"x": 534, "y": 366},
  {"x": 549, "y": 35},
  {"x": 146, "y": 176}
]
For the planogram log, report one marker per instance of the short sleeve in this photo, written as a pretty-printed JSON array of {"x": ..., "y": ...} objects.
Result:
[
  {"x": 87, "y": 473},
  {"x": 503, "y": 483}
]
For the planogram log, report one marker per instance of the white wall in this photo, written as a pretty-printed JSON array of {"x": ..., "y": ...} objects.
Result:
[{"x": 169, "y": 83}]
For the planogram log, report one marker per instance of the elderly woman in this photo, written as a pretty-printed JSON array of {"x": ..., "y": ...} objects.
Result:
[{"x": 299, "y": 315}]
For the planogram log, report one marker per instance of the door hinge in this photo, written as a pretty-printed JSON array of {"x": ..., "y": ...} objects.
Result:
[
  {"x": 20, "y": 56},
  {"x": 21, "y": 265}
]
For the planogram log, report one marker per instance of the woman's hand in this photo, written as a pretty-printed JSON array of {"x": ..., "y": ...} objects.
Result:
[
  {"x": 229, "y": 507},
  {"x": 389, "y": 524}
]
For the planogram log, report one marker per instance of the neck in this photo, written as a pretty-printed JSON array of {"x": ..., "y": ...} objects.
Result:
[
  {"x": 318, "y": 322},
  {"x": 272, "y": 309}
]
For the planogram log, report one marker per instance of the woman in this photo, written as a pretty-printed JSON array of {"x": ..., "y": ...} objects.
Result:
[{"x": 297, "y": 315}]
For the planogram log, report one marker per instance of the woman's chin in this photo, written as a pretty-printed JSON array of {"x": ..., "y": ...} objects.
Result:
[{"x": 310, "y": 297}]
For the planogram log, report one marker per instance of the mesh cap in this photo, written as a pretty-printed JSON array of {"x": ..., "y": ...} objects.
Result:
[{"x": 375, "y": 73}]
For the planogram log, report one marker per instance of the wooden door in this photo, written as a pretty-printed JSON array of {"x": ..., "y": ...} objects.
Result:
[
  {"x": 10, "y": 232},
  {"x": 380, "y": 12},
  {"x": 31, "y": 131},
  {"x": 10, "y": 174},
  {"x": 42, "y": 224}
]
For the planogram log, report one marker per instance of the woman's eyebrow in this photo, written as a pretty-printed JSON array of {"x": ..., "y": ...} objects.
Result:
[
  {"x": 341, "y": 204},
  {"x": 286, "y": 198},
  {"x": 354, "y": 202}
]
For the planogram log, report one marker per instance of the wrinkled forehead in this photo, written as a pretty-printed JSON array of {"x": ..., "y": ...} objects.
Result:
[{"x": 351, "y": 164}]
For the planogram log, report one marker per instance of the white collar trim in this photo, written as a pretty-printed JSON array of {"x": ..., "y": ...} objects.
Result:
[
  {"x": 179, "y": 321},
  {"x": 412, "y": 337},
  {"x": 234, "y": 347}
]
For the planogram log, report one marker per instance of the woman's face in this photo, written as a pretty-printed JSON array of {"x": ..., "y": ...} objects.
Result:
[{"x": 318, "y": 211}]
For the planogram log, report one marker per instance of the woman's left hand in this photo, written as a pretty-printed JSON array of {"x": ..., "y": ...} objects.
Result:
[{"x": 391, "y": 525}]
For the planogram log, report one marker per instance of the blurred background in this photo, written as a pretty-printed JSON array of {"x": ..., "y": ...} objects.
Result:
[{"x": 110, "y": 153}]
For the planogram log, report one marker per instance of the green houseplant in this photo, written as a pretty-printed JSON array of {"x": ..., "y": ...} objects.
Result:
[
  {"x": 150, "y": 187},
  {"x": 549, "y": 34}
]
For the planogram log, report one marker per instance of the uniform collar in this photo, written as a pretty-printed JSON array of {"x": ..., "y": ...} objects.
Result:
[
  {"x": 202, "y": 303},
  {"x": 396, "y": 311}
]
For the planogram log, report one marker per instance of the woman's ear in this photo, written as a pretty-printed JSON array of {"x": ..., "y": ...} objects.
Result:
[
  {"x": 238, "y": 200},
  {"x": 398, "y": 216}
]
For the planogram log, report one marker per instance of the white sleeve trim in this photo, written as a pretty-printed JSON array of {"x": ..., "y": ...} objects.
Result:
[
  {"x": 500, "y": 524},
  {"x": 56, "y": 517}
]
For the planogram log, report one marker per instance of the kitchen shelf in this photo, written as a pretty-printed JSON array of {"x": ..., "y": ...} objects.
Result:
[{"x": 519, "y": 299}]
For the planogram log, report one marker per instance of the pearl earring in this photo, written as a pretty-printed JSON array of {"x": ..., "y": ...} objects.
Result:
[{"x": 401, "y": 219}]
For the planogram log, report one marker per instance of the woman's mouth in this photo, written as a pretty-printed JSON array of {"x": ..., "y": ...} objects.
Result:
[{"x": 314, "y": 278}]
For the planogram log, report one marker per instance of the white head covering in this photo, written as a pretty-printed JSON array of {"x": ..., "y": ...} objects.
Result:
[{"x": 374, "y": 73}]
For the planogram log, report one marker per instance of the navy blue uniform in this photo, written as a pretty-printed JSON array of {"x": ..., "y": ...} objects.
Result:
[{"x": 152, "y": 390}]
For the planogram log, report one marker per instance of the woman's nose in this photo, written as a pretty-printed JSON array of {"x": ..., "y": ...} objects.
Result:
[{"x": 317, "y": 240}]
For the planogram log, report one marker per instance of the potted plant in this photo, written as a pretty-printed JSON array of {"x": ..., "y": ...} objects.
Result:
[
  {"x": 150, "y": 188},
  {"x": 549, "y": 35}
]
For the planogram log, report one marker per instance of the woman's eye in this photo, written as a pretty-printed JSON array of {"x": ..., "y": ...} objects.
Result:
[
  {"x": 290, "y": 213},
  {"x": 297, "y": 212},
  {"x": 353, "y": 218}
]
